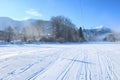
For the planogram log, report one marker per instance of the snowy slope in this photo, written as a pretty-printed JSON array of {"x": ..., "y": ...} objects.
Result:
[
  {"x": 96, "y": 34},
  {"x": 6, "y": 22},
  {"x": 60, "y": 62}
]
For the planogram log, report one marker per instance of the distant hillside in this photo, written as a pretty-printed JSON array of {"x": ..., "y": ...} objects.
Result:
[
  {"x": 97, "y": 34},
  {"x": 8, "y": 22}
]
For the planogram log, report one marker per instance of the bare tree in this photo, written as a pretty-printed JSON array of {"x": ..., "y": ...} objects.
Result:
[
  {"x": 31, "y": 33},
  {"x": 10, "y": 34},
  {"x": 64, "y": 29}
]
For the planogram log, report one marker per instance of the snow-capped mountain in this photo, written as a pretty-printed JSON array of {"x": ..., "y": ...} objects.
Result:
[
  {"x": 96, "y": 34},
  {"x": 6, "y": 22},
  {"x": 98, "y": 30}
]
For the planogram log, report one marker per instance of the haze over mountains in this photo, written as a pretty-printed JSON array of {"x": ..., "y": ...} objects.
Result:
[
  {"x": 6, "y": 22},
  {"x": 97, "y": 34}
]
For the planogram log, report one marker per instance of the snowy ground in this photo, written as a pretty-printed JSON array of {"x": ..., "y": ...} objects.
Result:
[{"x": 60, "y": 62}]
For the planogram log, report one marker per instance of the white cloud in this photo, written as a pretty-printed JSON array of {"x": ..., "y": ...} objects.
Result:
[
  {"x": 26, "y": 18},
  {"x": 33, "y": 12}
]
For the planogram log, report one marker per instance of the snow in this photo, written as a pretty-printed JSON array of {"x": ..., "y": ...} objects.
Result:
[{"x": 93, "y": 61}]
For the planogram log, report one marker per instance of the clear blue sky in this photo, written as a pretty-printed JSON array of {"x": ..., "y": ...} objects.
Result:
[{"x": 87, "y": 13}]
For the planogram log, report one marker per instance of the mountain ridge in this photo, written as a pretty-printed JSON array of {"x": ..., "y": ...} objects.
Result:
[{"x": 6, "y": 22}]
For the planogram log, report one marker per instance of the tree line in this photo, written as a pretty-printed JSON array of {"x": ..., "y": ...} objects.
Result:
[{"x": 61, "y": 29}]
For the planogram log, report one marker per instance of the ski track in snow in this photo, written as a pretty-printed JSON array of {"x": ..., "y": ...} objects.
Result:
[{"x": 60, "y": 62}]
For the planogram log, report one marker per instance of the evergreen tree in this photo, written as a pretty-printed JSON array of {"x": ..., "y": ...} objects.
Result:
[{"x": 81, "y": 36}]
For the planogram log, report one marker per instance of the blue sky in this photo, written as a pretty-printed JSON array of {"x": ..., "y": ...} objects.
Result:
[{"x": 85, "y": 13}]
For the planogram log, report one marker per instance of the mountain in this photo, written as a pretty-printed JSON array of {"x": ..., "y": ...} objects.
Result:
[
  {"x": 8, "y": 22},
  {"x": 96, "y": 34}
]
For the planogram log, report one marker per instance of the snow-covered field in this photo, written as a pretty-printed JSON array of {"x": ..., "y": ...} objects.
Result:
[{"x": 60, "y": 62}]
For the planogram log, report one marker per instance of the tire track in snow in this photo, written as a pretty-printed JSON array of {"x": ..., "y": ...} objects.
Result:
[
  {"x": 86, "y": 66},
  {"x": 5, "y": 66},
  {"x": 75, "y": 67},
  {"x": 34, "y": 75},
  {"x": 89, "y": 70},
  {"x": 84, "y": 72},
  {"x": 44, "y": 68},
  {"x": 108, "y": 65},
  {"x": 62, "y": 76},
  {"x": 105, "y": 64},
  {"x": 84, "y": 69},
  {"x": 100, "y": 66},
  {"x": 110, "y": 68},
  {"x": 23, "y": 69},
  {"x": 79, "y": 74},
  {"x": 18, "y": 71}
]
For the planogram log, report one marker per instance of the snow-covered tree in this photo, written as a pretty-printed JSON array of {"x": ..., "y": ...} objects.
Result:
[
  {"x": 9, "y": 34},
  {"x": 64, "y": 29}
]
